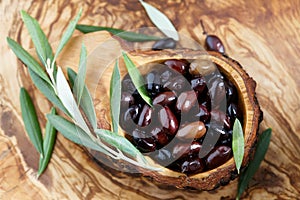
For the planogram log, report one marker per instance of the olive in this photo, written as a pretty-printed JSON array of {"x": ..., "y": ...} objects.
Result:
[
  {"x": 168, "y": 120},
  {"x": 160, "y": 135},
  {"x": 181, "y": 66},
  {"x": 165, "y": 43},
  {"x": 193, "y": 130},
  {"x": 126, "y": 99},
  {"x": 218, "y": 156},
  {"x": 192, "y": 166},
  {"x": 144, "y": 144},
  {"x": 165, "y": 98},
  {"x": 186, "y": 101},
  {"x": 145, "y": 116},
  {"x": 153, "y": 85},
  {"x": 198, "y": 84},
  {"x": 177, "y": 84}
]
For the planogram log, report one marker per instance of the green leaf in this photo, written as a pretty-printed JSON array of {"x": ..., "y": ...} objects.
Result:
[
  {"x": 27, "y": 59},
  {"x": 67, "y": 35},
  {"x": 86, "y": 102},
  {"x": 261, "y": 150},
  {"x": 126, "y": 35},
  {"x": 115, "y": 97},
  {"x": 79, "y": 81},
  {"x": 120, "y": 143},
  {"x": 47, "y": 91},
  {"x": 48, "y": 145},
  {"x": 40, "y": 41},
  {"x": 238, "y": 144},
  {"x": 137, "y": 79},
  {"x": 31, "y": 122},
  {"x": 74, "y": 133},
  {"x": 161, "y": 21}
]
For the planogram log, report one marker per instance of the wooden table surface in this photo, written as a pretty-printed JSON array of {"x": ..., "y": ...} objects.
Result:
[{"x": 263, "y": 35}]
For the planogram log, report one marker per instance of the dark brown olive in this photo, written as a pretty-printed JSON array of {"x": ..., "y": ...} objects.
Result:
[
  {"x": 186, "y": 101},
  {"x": 166, "y": 74},
  {"x": 181, "y": 149},
  {"x": 168, "y": 120},
  {"x": 219, "y": 116},
  {"x": 166, "y": 43},
  {"x": 181, "y": 66},
  {"x": 126, "y": 99},
  {"x": 160, "y": 135},
  {"x": 153, "y": 85},
  {"x": 163, "y": 156},
  {"x": 203, "y": 114},
  {"x": 192, "y": 130},
  {"x": 127, "y": 85},
  {"x": 144, "y": 144},
  {"x": 198, "y": 84},
  {"x": 192, "y": 166},
  {"x": 217, "y": 92},
  {"x": 177, "y": 84},
  {"x": 213, "y": 43},
  {"x": 145, "y": 116},
  {"x": 218, "y": 156},
  {"x": 165, "y": 98}
]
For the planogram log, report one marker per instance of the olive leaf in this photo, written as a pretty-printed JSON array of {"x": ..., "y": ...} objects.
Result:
[
  {"x": 137, "y": 79},
  {"x": 74, "y": 133},
  {"x": 115, "y": 97},
  {"x": 79, "y": 81},
  {"x": 261, "y": 150},
  {"x": 27, "y": 59},
  {"x": 40, "y": 41},
  {"x": 120, "y": 143},
  {"x": 161, "y": 21},
  {"x": 67, "y": 35},
  {"x": 48, "y": 145},
  {"x": 86, "y": 102},
  {"x": 31, "y": 122},
  {"x": 238, "y": 144},
  {"x": 64, "y": 93},
  {"x": 47, "y": 91},
  {"x": 126, "y": 35}
]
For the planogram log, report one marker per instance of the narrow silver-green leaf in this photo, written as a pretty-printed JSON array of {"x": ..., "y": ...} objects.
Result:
[
  {"x": 47, "y": 91},
  {"x": 161, "y": 21},
  {"x": 261, "y": 150},
  {"x": 115, "y": 97},
  {"x": 65, "y": 94},
  {"x": 137, "y": 79},
  {"x": 27, "y": 59},
  {"x": 238, "y": 144},
  {"x": 67, "y": 35},
  {"x": 120, "y": 143},
  {"x": 79, "y": 81},
  {"x": 74, "y": 133},
  {"x": 86, "y": 102},
  {"x": 126, "y": 35},
  {"x": 48, "y": 145},
  {"x": 31, "y": 122},
  {"x": 40, "y": 41}
]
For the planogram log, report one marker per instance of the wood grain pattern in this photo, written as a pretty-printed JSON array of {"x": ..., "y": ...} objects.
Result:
[{"x": 262, "y": 35}]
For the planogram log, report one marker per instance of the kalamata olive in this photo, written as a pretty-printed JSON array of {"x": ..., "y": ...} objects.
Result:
[
  {"x": 193, "y": 130},
  {"x": 153, "y": 83},
  {"x": 165, "y": 98},
  {"x": 225, "y": 138},
  {"x": 186, "y": 101},
  {"x": 145, "y": 116},
  {"x": 168, "y": 120},
  {"x": 127, "y": 85},
  {"x": 192, "y": 166},
  {"x": 203, "y": 114},
  {"x": 166, "y": 43},
  {"x": 220, "y": 117},
  {"x": 180, "y": 149},
  {"x": 143, "y": 143},
  {"x": 166, "y": 74},
  {"x": 180, "y": 66},
  {"x": 213, "y": 43},
  {"x": 202, "y": 66},
  {"x": 217, "y": 92},
  {"x": 130, "y": 117},
  {"x": 126, "y": 99},
  {"x": 232, "y": 110},
  {"x": 160, "y": 135},
  {"x": 177, "y": 84},
  {"x": 231, "y": 92},
  {"x": 198, "y": 84},
  {"x": 218, "y": 156}
]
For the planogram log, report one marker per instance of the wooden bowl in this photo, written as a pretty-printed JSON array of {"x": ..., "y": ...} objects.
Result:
[{"x": 252, "y": 116}]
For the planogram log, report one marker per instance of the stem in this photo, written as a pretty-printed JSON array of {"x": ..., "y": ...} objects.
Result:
[{"x": 203, "y": 28}]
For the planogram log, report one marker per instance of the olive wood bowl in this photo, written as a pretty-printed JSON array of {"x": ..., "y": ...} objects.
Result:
[{"x": 252, "y": 116}]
